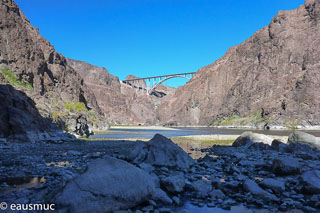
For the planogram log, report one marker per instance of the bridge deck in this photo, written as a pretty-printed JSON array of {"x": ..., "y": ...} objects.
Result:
[{"x": 159, "y": 76}]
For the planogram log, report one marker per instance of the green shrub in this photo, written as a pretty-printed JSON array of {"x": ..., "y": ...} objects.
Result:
[
  {"x": 14, "y": 81},
  {"x": 75, "y": 107},
  {"x": 253, "y": 117}
]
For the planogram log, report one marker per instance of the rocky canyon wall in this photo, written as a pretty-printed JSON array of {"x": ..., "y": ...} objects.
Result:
[
  {"x": 30, "y": 64},
  {"x": 272, "y": 78}
]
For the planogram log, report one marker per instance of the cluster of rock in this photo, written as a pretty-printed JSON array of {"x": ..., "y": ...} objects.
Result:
[{"x": 253, "y": 173}]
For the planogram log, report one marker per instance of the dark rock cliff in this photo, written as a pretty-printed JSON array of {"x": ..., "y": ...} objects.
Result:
[
  {"x": 31, "y": 64},
  {"x": 273, "y": 77},
  {"x": 18, "y": 116}
]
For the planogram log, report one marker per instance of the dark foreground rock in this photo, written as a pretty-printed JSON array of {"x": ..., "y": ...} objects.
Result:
[
  {"x": 286, "y": 166},
  {"x": 161, "y": 151},
  {"x": 226, "y": 178},
  {"x": 20, "y": 120},
  {"x": 255, "y": 190},
  {"x": 311, "y": 181},
  {"x": 109, "y": 184}
]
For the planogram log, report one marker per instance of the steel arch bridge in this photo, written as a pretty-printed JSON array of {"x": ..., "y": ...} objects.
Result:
[{"x": 149, "y": 84}]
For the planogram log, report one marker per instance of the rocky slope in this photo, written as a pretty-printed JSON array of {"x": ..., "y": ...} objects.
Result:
[
  {"x": 31, "y": 64},
  {"x": 271, "y": 78}
]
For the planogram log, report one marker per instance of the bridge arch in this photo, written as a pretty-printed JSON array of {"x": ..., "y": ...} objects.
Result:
[
  {"x": 136, "y": 82},
  {"x": 152, "y": 89}
]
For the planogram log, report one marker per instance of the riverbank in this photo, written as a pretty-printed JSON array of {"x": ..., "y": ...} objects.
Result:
[
  {"x": 218, "y": 176},
  {"x": 142, "y": 127},
  {"x": 218, "y": 137}
]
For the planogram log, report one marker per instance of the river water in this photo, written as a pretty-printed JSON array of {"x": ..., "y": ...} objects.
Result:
[{"x": 122, "y": 133}]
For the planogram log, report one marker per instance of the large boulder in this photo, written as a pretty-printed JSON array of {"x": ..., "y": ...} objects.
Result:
[
  {"x": 311, "y": 181},
  {"x": 109, "y": 184},
  {"x": 161, "y": 151},
  {"x": 304, "y": 138},
  {"x": 247, "y": 138}
]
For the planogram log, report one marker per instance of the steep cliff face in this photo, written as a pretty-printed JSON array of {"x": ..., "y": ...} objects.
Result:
[
  {"x": 19, "y": 117},
  {"x": 30, "y": 63},
  {"x": 106, "y": 89},
  {"x": 273, "y": 77}
]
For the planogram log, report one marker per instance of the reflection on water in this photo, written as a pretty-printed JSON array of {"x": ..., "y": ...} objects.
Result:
[{"x": 18, "y": 183}]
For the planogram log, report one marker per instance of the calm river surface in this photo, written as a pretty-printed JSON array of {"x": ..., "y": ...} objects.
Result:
[{"x": 123, "y": 133}]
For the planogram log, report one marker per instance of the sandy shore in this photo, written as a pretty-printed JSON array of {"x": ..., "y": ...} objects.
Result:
[
  {"x": 227, "y": 137},
  {"x": 143, "y": 127}
]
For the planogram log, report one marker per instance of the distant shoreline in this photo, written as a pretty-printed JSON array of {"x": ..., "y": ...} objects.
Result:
[
  {"x": 219, "y": 137},
  {"x": 273, "y": 128},
  {"x": 143, "y": 127}
]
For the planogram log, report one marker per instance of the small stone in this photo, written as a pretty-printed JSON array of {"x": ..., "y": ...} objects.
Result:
[
  {"x": 146, "y": 167},
  {"x": 216, "y": 194},
  {"x": 201, "y": 188},
  {"x": 147, "y": 208},
  {"x": 164, "y": 210},
  {"x": 152, "y": 203},
  {"x": 253, "y": 187},
  {"x": 174, "y": 184},
  {"x": 161, "y": 196},
  {"x": 309, "y": 209},
  {"x": 314, "y": 198},
  {"x": 241, "y": 177},
  {"x": 211, "y": 205},
  {"x": 165, "y": 169},
  {"x": 73, "y": 152},
  {"x": 176, "y": 200},
  {"x": 276, "y": 185}
]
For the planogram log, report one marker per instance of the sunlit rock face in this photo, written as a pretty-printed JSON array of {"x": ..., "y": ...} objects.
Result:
[{"x": 274, "y": 73}]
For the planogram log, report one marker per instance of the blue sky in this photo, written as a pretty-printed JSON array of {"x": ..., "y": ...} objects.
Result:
[{"x": 150, "y": 37}]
